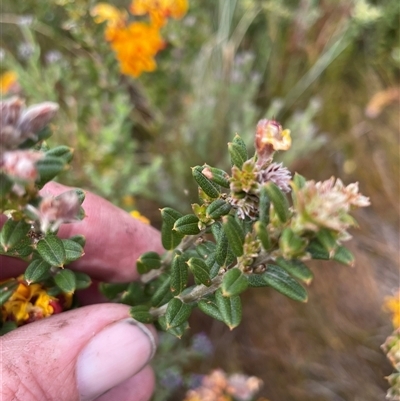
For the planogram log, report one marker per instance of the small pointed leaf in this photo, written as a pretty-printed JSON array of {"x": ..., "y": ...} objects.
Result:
[
  {"x": 177, "y": 313},
  {"x": 170, "y": 238},
  {"x": 279, "y": 200},
  {"x": 179, "y": 275},
  {"x": 233, "y": 283},
  {"x": 36, "y": 271},
  {"x": 234, "y": 233},
  {"x": 65, "y": 280},
  {"x": 73, "y": 251},
  {"x": 12, "y": 233},
  {"x": 200, "y": 270},
  {"x": 51, "y": 249},
  {"x": 187, "y": 225},
  {"x": 278, "y": 279},
  {"x": 230, "y": 309},
  {"x": 142, "y": 314},
  {"x": 296, "y": 268}
]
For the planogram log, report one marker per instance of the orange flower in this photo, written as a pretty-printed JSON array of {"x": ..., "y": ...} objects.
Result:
[
  {"x": 392, "y": 305},
  {"x": 8, "y": 81},
  {"x": 135, "y": 47},
  {"x": 136, "y": 215},
  {"x": 31, "y": 302},
  {"x": 160, "y": 10}
]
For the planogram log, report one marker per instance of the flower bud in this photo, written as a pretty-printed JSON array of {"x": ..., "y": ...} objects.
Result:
[{"x": 269, "y": 138}]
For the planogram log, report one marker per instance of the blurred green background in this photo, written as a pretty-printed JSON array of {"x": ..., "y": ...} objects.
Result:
[{"x": 327, "y": 70}]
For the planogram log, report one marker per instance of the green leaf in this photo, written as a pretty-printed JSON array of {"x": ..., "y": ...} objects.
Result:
[
  {"x": 6, "y": 327},
  {"x": 209, "y": 188},
  {"x": 82, "y": 280},
  {"x": 264, "y": 206},
  {"x": 262, "y": 234},
  {"x": 256, "y": 280},
  {"x": 177, "y": 313},
  {"x": 230, "y": 309},
  {"x": 278, "y": 279},
  {"x": 279, "y": 200},
  {"x": 41, "y": 136},
  {"x": 73, "y": 251},
  {"x": 162, "y": 294},
  {"x": 210, "y": 308},
  {"x": 142, "y": 314},
  {"x": 243, "y": 148},
  {"x": 170, "y": 239},
  {"x": 187, "y": 225},
  {"x": 134, "y": 294},
  {"x": 177, "y": 331},
  {"x": 179, "y": 275},
  {"x": 200, "y": 270},
  {"x": 236, "y": 154},
  {"x": 5, "y": 187},
  {"x": 317, "y": 251},
  {"x": 221, "y": 251},
  {"x": 344, "y": 256},
  {"x": 291, "y": 244},
  {"x": 13, "y": 232},
  {"x": 63, "y": 152},
  {"x": 148, "y": 261},
  {"x": 79, "y": 239},
  {"x": 7, "y": 289},
  {"x": 299, "y": 180},
  {"x": 233, "y": 283},
  {"x": 234, "y": 233},
  {"x": 296, "y": 268},
  {"x": 36, "y": 271},
  {"x": 327, "y": 239},
  {"x": 48, "y": 168},
  {"x": 218, "y": 208},
  {"x": 112, "y": 290},
  {"x": 220, "y": 177},
  {"x": 51, "y": 249},
  {"x": 65, "y": 280}
]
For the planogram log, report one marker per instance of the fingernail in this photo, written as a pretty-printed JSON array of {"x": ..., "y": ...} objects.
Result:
[{"x": 116, "y": 353}]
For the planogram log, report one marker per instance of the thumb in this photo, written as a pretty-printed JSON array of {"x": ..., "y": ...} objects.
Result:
[{"x": 79, "y": 355}]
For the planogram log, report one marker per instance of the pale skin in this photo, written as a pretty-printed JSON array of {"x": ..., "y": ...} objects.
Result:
[{"x": 39, "y": 360}]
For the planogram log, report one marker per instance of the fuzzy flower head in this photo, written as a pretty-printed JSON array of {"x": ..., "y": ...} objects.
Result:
[
  {"x": 326, "y": 205},
  {"x": 17, "y": 123},
  {"x": 276, "y": 173},
  {"x": 31, "y": 302},
  {"x": 21, "y": 164},
  {"x": 218, "y": 386},
  {"x": 269, "y": 138},
  {"x": 54, "y": 211}
]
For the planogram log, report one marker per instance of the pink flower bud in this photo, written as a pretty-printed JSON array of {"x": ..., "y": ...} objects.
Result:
[{"x": 269, "y": 138}]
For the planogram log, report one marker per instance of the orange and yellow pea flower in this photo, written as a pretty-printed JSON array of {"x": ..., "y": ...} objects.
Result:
[{"x": 31, "y": 302}]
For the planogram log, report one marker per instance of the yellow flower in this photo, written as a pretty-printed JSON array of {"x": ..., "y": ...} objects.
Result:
[
  {"x": 392, "y": 305},
  {"x": 31, "y": 302},
  {"x": 136, "y": 215},
  {"x": 160, "y": 10},
  {"x": 7, "y": 80},
  {"x": 105, "y": 12}
]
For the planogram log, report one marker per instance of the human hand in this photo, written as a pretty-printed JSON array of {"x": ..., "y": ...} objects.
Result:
[{"x": 95, "y": 352}]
